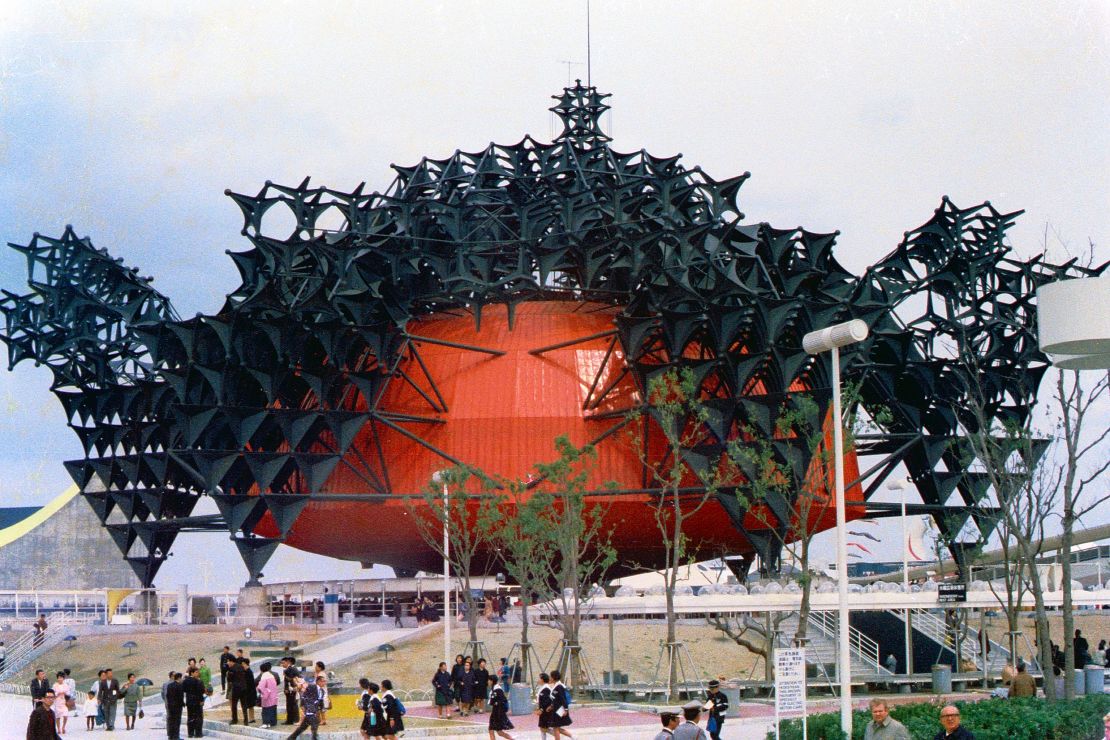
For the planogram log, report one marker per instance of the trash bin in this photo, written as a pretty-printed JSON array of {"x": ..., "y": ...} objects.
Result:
[
  {"x": 732, "y": 691},
  {"x": 1080, "y": 683},
  {"x": 1096, "y": 679},
  {"x": 942, "y": 679},
  {"x": 520, "y": 699}
]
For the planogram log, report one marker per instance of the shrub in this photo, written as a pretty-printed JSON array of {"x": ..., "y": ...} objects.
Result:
[{"x": 990, "y": 719}]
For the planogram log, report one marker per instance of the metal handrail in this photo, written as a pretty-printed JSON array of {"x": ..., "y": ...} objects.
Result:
[
  {"x": 864, "y": 647},
  {"x": 23, "y": 650}
]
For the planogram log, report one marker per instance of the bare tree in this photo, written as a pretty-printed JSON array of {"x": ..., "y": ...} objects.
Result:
[
  {"x": 463, "y": 503},
  {"x": 1009, "y": 454},
  {"x": 1074, "y": 400}
]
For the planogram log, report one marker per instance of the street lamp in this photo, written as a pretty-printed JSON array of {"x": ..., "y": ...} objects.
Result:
[
  {"x": 440, "y": 476},
  {"x": 902, "y": 484},
  {"x": 831, "y": 339}
]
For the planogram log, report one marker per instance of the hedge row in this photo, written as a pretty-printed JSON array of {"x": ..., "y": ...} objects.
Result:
[{"x": 990, "y": 719}]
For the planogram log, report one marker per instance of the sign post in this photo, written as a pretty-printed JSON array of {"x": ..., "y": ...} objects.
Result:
[
  {"x": 951, "y": 593},
  {"x": 790, "y": 686}
]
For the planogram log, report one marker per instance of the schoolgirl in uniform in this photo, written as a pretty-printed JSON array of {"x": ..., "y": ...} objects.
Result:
[
  {"x": 543, "y": 704},
  {"x": 363, "y": 705},
  {"x": 560, "y": 706},
  {"x": 394, "y": 719},
  {"x": 498, "y": 710}
]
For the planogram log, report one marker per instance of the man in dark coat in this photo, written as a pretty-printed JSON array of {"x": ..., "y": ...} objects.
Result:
[
  {"x": 950, "y": 725},
  {"x": 290, "y": 674},
  {"x": 107, "y": 693},
  {"x": 225, "y": 663},
  {"x": 41, "y": 724},
  {"x": 194, "y": 690},
  {"x": 175, "y": 702},
  {"x": 39, "y": 686},
  {"x": 237, "y": 685}
]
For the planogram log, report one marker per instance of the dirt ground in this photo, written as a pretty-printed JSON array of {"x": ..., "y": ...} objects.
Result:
[
  {"x": 155, "y": 655},
  {"x": 637, "y": 651},
  {"x": 1095, "y": 625}
]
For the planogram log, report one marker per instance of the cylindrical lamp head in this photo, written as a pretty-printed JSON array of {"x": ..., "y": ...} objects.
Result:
[
  {"x": 837, "y": 335},
  {"x": 1073, "y": 316}
]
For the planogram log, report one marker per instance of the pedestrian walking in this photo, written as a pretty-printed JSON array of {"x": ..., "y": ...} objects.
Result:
[
  {"x": 61, "y": 711},
  {"x": 195, "y": 692},
  {"x": 204, "y": 673},
  {"x": 717, "y": 704},
  {"x": 268, "y": 695},
  {"x": 108, "y": 695},
  {"x": 505, "y": 674},
  {"x": 481, "y": 685},
  {"x": 250, "y": 690},
  {"x": 39, "y": 687},
  {"x": 225, "y": 665},
  {"x": 373, "y": 723},
  {"x": 543, "y": 704},
  {"x": 91, "y": 710},
  {"x": 689, "y": 730},
  {"x": 40, "y": 725},
  {"x": 457, "y": 681},
  {"x": 670, "y": 722},
  {"x": 441, "y": 682},
  {"x": 882, "y": 726},
  {"x": 560, "y": 706},
  {"x": 499, "y": 722},
  {"x": 467, "y": 687},
  {"x": 175, "y": 705},
  {"x": 394, "y": 710},
  {"x": 325, "y": 700},
  {"x": 289, "y": 676},
  {"x": 129, "y": 692},
  {"x": 310, "y": 708}
]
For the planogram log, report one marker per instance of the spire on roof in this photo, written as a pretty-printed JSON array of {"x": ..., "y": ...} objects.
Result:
[{"x": 580, "y": 110}]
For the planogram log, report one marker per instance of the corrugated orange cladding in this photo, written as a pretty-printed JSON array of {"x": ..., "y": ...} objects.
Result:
[{"x": 503, "y": 414}]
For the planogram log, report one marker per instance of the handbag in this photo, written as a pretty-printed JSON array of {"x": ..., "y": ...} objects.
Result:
[{"x": 711, "y": 725}]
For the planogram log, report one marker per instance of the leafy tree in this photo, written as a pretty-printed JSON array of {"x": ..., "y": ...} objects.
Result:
[
  {"x": 579, "y": 536},
  {"x": 525, "y": 550},
  {"x": 469, "y": 512},
  {"x": 684, "y": 478}
]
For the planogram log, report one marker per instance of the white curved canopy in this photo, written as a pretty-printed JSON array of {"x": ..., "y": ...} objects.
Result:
[{"x": 1073, "y": 319}]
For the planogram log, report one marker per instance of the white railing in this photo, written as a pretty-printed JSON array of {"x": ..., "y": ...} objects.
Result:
[
  {"x": 938, "y": 630},
  {"x": 31, "y": 644},
  {"x": 863, "y": 647}
]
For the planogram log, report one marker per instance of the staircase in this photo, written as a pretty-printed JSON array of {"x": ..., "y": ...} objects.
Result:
[
  {"x": 937, "y": 630},
  {"x": 23, "y": 651},
  {"x": 824, "y": 637}
]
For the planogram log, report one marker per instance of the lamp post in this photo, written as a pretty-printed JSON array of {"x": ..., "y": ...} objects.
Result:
[
  {"x": 901, "y": 485},
  {"x": 440, "y": 476},
  {"x": 831, "y": 339}
]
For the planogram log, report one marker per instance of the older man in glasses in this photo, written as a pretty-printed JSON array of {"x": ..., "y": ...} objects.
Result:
[{"x": 950, "y": 725}]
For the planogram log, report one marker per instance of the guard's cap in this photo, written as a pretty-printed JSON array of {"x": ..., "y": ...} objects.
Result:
[
  {"x": 692, "y": 705},
  {"x": 714, "y": 684}
]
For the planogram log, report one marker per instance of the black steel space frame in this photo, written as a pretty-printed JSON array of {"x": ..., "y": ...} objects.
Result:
[{"x": 267, "y": 395}]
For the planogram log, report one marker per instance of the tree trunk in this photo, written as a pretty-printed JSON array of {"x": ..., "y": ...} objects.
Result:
[
  {"x": 670, "y": 654},
  {"x": 1069, "y": 619},
  {"x": 524, "y": 644},
  {"x": 1044, "y": 644}
]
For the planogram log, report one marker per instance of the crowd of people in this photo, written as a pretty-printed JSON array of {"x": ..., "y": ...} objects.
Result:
[{"x": 53, "y": 705}]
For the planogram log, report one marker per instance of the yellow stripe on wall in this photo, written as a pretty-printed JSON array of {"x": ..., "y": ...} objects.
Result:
[{"x": 13, "y": 532}]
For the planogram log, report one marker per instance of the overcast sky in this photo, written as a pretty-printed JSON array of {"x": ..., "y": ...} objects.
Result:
[{"x": 128, "y": 120}]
